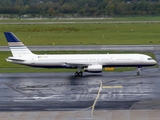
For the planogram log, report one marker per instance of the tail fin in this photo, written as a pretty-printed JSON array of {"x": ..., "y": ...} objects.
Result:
[{"x": 17, "y": 48}]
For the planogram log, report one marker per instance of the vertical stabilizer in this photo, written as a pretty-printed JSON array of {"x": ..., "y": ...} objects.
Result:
[{"x": 17, "y": 48}]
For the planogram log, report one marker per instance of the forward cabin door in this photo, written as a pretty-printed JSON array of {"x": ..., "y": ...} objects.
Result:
[
  {"x": 33, "y": 61},
  {"x": 141, "y": 60},
  {"x": 111, "y": 60}
]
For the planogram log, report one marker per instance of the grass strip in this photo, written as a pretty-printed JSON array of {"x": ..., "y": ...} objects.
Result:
[{"x": 84, "y": 34}]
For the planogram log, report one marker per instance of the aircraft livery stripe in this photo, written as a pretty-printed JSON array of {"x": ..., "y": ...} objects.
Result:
[
  {"x": 15, "y": 43},
  {"x": 20, "y": 50},
  {"x": 17, "y": 47}
]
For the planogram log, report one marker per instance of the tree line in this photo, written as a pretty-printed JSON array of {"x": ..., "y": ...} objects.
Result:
[{"x": 92, "y": 8}]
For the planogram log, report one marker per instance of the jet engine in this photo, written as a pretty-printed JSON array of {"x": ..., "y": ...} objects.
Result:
[{"x": 93, "y": 69}]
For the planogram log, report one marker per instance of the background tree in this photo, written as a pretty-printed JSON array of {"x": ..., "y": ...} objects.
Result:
[
  {"x": 80, "y": 7},
  {"x": 19, "y": 3}
]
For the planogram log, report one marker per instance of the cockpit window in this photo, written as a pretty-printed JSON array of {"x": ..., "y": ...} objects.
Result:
[{"x": 150, "y": 59}]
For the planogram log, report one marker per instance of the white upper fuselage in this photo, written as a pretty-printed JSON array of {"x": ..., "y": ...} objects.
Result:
[{"x": 84, "y": 60}]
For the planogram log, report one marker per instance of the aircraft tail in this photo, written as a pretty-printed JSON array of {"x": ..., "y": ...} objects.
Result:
[{"x": 17, "y": 48}]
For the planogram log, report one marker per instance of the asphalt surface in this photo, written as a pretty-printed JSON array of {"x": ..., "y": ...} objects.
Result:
[
  {"x": 91, "y": 48},
  {"x": 83, "y": 22},
  {"x": 62, "y": 91}
]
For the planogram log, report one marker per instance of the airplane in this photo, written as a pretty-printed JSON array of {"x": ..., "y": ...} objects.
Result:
[{"x": 93, "y": 63}]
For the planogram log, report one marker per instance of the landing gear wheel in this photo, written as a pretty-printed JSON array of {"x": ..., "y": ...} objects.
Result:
[
  {"x": 78, "y": 74},
  {"x": 138, "y": 73},
  {"x": 81, "y": 73}
]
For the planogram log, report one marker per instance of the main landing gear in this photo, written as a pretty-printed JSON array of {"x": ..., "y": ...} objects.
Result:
[
  {"x": 138, "y": 71},
  {"x": 79, "y": 73}
]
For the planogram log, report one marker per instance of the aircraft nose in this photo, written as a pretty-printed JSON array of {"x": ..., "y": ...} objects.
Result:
[{"x": 155, "y": 62}]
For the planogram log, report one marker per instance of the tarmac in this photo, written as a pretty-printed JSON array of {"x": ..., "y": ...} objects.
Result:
[
  {"x": 139, "y": 48},
  {"x": 63, "y": 91},
  {"x": 81, "y": 22},
  {"x": 82, "y": 115},
  {"x": 61, "y": 96}
]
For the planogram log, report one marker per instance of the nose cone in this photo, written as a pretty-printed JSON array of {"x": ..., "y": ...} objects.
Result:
[{"x": 154, "y": 62}]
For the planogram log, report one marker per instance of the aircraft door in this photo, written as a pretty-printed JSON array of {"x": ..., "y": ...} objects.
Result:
[
  {"x": 141, "y": 60},
  {"x": 32, "y": 61},
  {"x": 111, "y": 59}
]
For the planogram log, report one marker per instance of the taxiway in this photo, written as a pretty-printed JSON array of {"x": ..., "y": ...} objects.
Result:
[
  {"x": 62, "y": 91},
  {"x": 141, "y": 48}
]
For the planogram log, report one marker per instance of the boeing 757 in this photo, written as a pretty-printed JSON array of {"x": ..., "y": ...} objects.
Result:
[{"x": 93, "y": 63}]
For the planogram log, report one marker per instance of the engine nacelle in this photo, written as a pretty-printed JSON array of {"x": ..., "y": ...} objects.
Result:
[{"x": 93, "y": 69}]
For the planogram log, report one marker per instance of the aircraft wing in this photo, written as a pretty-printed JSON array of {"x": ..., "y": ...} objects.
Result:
[{"x": 77, "y": 64}]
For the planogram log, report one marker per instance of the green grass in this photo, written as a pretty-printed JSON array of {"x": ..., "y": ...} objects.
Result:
[
  {"x": 84, "y": 34},
  {"x": 147, "y": 18},
  {"x": 7, "y": 67}
]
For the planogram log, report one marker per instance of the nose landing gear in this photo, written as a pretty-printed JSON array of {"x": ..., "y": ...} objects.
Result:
[{"x": 138, "y": 71}]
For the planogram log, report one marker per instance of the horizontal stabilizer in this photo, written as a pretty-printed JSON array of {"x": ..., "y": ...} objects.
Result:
[{"x": 15, "y": 59}]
